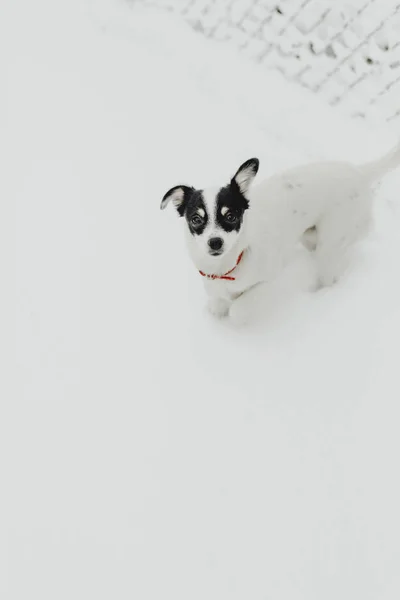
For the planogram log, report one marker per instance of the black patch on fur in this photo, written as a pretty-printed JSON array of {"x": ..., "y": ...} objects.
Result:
[
  {"x": 187, "y": 193},
  {"x": 195, "y": 202},
  {"x": 231, "y": 197}
]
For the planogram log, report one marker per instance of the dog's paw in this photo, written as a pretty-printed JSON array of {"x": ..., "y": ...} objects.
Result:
[
  {"x": 218, "y": 307},
  {"x": 238, "y": 314},
  {"x": 313, "y": 286},
  {"x": 327, "y": 281}
]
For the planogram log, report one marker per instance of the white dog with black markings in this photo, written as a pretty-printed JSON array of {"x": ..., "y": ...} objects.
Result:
[{"x": 240, "y": 235}]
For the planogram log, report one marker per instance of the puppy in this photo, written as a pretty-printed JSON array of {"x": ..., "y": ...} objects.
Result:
[{"x": 242, "y": 235}]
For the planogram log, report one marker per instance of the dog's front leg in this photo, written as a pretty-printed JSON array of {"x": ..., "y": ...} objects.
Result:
[
  {"x": 219, "y": 299},
  {"x": 217, "y": 306},
  {"x": 245, "y": 305}
]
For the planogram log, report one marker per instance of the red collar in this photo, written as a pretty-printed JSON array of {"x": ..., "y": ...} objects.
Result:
[{"x": 225, "y": 275}]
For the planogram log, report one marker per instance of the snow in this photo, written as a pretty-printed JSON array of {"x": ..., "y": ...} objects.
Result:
[
  {"x": 346, "y": 50},
  {"x": 151, "y": 451}
]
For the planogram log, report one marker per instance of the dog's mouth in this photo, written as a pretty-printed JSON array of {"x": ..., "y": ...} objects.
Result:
[{"x": 216, "y": 252}]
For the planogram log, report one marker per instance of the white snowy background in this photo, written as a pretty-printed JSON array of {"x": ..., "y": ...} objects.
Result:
[
  {"x": 346, "y": 50},
  {"x": 150, "y": 452}
]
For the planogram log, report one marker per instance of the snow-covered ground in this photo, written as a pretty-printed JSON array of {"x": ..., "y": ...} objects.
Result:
[{"x": 153, "y": 453}]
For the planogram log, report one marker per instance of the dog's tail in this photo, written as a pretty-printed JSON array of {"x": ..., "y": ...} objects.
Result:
[{"x": 378, "y": 168}]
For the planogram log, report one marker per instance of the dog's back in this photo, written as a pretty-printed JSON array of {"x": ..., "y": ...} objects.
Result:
[
  {"x": 329, "y": 203},
  {"x": 295, "y": 200}
]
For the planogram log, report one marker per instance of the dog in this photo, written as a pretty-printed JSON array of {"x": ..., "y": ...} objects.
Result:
[{"x": 242, "y": 235}]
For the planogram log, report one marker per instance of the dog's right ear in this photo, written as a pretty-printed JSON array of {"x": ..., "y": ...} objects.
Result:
[{"x": 179, "y": 195}]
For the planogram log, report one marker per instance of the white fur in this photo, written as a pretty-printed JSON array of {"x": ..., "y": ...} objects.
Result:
[{"x": 334, "y": 198}]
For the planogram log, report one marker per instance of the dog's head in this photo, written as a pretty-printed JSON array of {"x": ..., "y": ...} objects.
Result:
[{"x": 214, "y": 216}]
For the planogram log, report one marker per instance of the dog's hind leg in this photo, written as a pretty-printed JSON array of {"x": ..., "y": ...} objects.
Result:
[
  {"x": 332, "y": 263},
  {"x": 332, "y": 253},
  {"x": 337, "y": 234},
  {"x": 309, "y": 239}
]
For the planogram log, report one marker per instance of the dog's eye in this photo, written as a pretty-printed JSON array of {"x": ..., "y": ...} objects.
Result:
[
  {"x": 196, "y": 220},
  {"x": 230, "y": 217}
]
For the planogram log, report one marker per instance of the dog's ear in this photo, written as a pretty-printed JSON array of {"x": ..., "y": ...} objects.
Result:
[
  {"x": 179, "y": 195},
  {"x": 246, "y": 173}
]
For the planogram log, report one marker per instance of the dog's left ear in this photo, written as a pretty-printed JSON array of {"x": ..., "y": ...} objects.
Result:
[
  {"x": 246, "y": 173},
  {"x": 179, "y": 195}
]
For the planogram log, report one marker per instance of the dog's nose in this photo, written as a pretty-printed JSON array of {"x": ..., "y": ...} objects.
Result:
[{"x": 215, "y": 243}]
